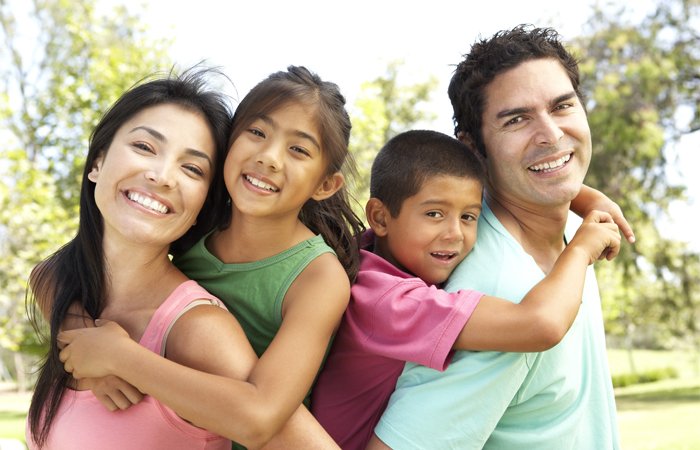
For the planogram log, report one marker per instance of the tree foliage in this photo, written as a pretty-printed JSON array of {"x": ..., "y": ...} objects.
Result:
[
  {"x": 384, "y": 108},
  {"x": 642, "y": 81},
  {"x": 62, "y": 63}
]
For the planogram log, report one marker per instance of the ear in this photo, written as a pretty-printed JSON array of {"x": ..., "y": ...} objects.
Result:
[
  {"x": 329, "y": 186},
  {"x": 95, "y": 172},
  {"x": 377, "y": 215}
]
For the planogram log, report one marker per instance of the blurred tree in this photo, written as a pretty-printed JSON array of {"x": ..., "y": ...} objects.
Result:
[
  {"x": 642, "y": 81},
  {"x": 383, "y": 109},
  {"x": 61, "y": 65}
]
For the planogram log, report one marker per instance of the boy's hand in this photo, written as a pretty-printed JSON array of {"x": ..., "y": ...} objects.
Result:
[
  {"x": 590, "y": 200},
  {"x": 113, "y": 392},
  {"x": 599, "y": 236},
  {"x": 89, "y": 352}
]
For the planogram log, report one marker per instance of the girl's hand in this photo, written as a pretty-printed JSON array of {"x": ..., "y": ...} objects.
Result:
[
  {"x": 598, "y": 236},
  {"x": 90, "y": 352},
  {"x": 589, "y": 200},
  {"x": 113, "y": 392}
]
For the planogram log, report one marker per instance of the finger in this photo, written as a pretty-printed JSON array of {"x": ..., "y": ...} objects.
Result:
[
  {"x": 626, "y": 230},
  {"x": 120, "y": 400},
  {"x": 132, "y": 394},
  {"x": 107, "y": 402},
  {"x": 63, "y": 339},
  {"x": 102, "y": 322}
]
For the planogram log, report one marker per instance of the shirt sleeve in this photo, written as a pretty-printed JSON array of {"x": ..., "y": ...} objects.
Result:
[{"x": 410, "y": 321}]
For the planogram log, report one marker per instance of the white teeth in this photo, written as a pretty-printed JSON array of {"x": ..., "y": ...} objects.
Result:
[
  {"x": 260, "y": 184},
  {"x": 550, "y": 166},
  {"x": 147, "y": 202}
]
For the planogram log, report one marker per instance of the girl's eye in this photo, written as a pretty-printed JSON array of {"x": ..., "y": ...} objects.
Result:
[
  {"x": 143, "y": 146},
  {"x": 256, "y": 132},
  {"x": 300, "y": 150}
]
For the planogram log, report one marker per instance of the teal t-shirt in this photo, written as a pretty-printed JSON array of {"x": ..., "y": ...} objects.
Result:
[{"x": 558, "y": 399}]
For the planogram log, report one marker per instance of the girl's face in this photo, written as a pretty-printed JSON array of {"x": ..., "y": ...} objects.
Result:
[
  {"x": 277, "y": 164},
  {"x": 154, "y": 178}
]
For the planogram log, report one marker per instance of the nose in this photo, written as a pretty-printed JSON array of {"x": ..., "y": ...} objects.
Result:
[
  {"x": 270, "y": 156},
  {"x": 162, "y": 174},
  {"x": 548, "y": 131},
  {"x": 453, "y": 230}
]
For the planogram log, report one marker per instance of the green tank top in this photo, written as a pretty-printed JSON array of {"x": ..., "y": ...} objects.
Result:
[{"x": 253, "y": 292}]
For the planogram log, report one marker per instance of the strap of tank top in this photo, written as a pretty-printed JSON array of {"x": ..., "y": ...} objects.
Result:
[{"x": 183, "y": 311}]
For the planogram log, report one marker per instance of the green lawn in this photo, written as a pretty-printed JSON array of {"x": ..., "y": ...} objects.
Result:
[{"x": 664, "y": 415}]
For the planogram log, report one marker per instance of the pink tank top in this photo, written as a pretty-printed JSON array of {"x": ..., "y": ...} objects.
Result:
[{"x": 83, "y": 422}]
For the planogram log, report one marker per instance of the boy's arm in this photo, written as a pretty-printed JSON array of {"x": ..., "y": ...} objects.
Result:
[
  {"x": 542, "y": 318},
  {"x": 589, "y": 200}
]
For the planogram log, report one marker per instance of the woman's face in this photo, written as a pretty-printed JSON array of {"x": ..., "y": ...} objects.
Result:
[{"x": 154, "y": 178}]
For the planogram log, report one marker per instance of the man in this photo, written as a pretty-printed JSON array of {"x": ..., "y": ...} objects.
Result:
[{"x": 517, "y": 101}]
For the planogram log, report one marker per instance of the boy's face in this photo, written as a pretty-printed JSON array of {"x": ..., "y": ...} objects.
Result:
[{"x": 435, "y": 229}]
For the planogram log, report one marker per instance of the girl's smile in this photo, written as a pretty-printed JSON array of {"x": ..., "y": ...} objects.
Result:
[{"x": 276, "y": 164}]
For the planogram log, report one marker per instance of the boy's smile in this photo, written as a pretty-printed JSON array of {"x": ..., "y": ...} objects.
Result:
[{"x": 434, "y": 230}]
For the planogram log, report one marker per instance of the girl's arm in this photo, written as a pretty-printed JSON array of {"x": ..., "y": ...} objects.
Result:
[
  {"x": 252, "y": 412},
  {"x": 542, "y": 318},
  {"x": 589, "y": 200}
]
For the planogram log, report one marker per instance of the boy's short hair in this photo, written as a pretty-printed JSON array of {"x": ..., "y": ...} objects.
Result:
[{"x": 407, "y": 160}]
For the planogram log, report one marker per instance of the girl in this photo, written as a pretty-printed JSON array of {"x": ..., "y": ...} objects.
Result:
[
  {"x": 272, "y": 262},
  {"x": 151, "y": 167}
]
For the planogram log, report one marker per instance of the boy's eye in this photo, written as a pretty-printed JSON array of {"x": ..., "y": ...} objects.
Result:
[
  {"x": 468, "y": 217},
  {"x": 435, "y": 214}
]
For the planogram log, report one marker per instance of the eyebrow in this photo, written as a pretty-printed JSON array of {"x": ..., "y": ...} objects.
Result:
[
  {"x": 297, "y": 133},
  {"x": 160, "y": 137},
  {"x": 444, "y": 202},
  {"x": 518, "y": 111}
]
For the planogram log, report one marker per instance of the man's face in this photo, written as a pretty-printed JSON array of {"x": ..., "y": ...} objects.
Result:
[{"x": 538, "y": 144}]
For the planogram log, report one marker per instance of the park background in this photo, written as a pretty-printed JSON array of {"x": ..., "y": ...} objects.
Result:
[{"x": 62, "y": 62}]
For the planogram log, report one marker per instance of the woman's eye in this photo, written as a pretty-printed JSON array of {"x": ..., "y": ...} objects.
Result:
[
  {"x": 196, "y": 170},
  {"x": 143, "y": 146}
]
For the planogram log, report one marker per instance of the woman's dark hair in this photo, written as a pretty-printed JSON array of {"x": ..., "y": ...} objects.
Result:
[
  {"x": 75, "y": 274},
  {"x": 491, "y": 57},
  {"x": 332, "y": 218}
]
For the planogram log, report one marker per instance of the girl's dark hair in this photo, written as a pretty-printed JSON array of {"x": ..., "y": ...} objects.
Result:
[
  {"x": 332, "y": 218},
  {"x": 76, "y": 272}
]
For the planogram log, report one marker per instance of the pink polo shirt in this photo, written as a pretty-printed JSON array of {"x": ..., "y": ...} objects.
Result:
[{"x": 393, "y": 317}]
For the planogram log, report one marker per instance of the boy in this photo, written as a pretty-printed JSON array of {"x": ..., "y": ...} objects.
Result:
[{"x": 426, "y": 191}]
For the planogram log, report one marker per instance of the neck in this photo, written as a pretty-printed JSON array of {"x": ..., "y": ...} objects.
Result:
[
  {"x": 138, "y": 276},
  {"x": 250, "y": 239},
  {"x": 540, "y": 230}
]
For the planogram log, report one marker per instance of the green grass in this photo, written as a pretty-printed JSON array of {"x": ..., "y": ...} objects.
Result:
[{"x": 663, "y": 415}]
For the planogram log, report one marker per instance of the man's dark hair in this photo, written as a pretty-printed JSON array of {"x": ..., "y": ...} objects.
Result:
[
  {"x": 489, "y": 58},
  {"x": 406, "y": 161}
]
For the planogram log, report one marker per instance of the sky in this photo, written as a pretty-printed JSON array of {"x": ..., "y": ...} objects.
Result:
[{"x": 351, "y": 42}]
